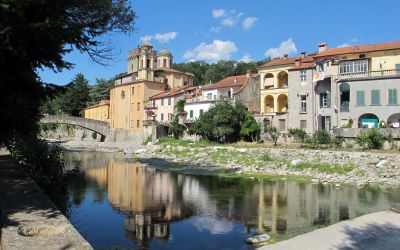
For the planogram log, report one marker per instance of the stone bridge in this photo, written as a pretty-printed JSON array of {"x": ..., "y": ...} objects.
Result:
[{"x": 101, "y": 127}]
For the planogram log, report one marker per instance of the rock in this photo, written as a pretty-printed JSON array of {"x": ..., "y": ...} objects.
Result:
[
  {"x": 201, "y": 155},
  {"x": 315, "y": 180},
  {"x": 295, "y": 162},
  {"x": 242, "y": 150},
  {"x": 128, "y": 151},
  {"x": 258, "y": 239},
  {"x": 381, "y": 163},
  {"x": 372, "y": 160},
  {"x": 140, "y": 150}
]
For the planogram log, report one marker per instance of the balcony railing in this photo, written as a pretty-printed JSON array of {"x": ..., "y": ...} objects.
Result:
[{"x": 370, "y": 74}]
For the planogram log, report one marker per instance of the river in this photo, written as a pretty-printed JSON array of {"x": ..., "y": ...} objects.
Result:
[{"x": 119, "y": 204}]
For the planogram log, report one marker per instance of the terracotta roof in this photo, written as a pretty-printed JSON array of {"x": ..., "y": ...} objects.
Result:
[
  {"x": 278, "y": 62},
  {"x": 172, "y": 92},
  {"x": 247, "y": 82},
  {"x": 360, "y": 49},
  {"x": 101, "y": 103},
  {"x": 305, "y": 63},
  {"x": 228, "y": 82},
  {"x": 173, "y": 71}
]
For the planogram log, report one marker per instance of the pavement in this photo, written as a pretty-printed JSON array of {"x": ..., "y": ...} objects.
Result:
[
  {"x": 29, "y": 220},
  {"x": 380, "y": 230}
]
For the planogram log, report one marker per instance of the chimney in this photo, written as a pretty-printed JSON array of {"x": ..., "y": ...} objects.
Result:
[
  {"x": 297, "y": 62},
  {"x": 248, "y": 73},
  {"x": 322, "y": 47},
  {"x": 303, "y": 54},
  {"x": 285, "y": 56}
]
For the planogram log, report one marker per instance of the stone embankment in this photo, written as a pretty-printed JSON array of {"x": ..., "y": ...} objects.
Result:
[
  {"x": 29, "y": 220},
  {"x": 324, "y": 166}
]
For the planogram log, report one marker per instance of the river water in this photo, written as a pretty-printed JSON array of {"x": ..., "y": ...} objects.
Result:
[{"x": 119, "y": 204}]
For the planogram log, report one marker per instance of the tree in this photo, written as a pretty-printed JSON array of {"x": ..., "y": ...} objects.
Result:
[
  {"x": 100, "y": 91},
  {"x": 221, "y": 123},
  {"x": 250, "y": 128},
  {"x": 274, "y": 134},
  {"x": 218, "y": 71},
  {"x": 73, "y": 102},
  {"x": 37, "y": 34}
]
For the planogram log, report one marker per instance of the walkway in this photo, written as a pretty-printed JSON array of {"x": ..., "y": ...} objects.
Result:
[
  {"x": 380, "y": 230},
  {"x": 29, "y": 219}
]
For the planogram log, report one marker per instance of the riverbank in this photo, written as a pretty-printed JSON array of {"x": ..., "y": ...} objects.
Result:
[
  {"x": 29, "y": 220},
  {"x": 324, "y": 166},
  {"x": 380, "y": 230}
]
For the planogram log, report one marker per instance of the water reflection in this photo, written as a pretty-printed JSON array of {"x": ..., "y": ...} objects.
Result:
[{"x": 162, "y": 209}]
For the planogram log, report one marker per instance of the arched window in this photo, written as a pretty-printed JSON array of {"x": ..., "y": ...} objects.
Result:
[{"x": 138, "y": 106}]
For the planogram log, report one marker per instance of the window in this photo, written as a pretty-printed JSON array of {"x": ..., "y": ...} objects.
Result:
[
  {"x": 191, "y": 114},
  {"x": 122, "y": 94},
  {"x": 355, "y": 66},
  {"x": 169, "y": 100},
  {"x": 162, "y": 116},
  {"x": 303, "y": 124},
  {"x": 360, "y": 98},
  {"x": 392, "y": 97},
  {"x": 303, "y": 104},
  {"x": 164, "y": 62},
  {"x": 375, "y": 97},
  {"x": 201, "y": 111},
  {"x": 138, "y": 106},
  {"x": 229, "y": 94},
  {"x": 162, "y": 101},
  {"x": 326, "y": 122},
  {"x": 397, "y": 66},
  {"x": 137, "y": 123},
  {"x": 133, "y": 90},
  {"x": 325, "y": 100},
  {"x": 320, "y": 67},
  {"x": 209, "y": 96},
  {"x": 282, "y": 124},
  {"x": 303, "y": 75}
]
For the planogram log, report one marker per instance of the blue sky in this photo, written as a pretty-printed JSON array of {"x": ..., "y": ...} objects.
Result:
[{"x": 211, "y": 30}]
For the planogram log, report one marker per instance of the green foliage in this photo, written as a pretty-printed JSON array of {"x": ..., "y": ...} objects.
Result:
[
  {"x": 73, "y": 102},
  {"x": 325, "y": 168},
  {"x": 311, "y": 142},
  {"x": 349, "y": 124},
  {"x": 180, "y": 106},
  {"x": 370, "y": 139},
  {"x": 100, "y": 91},
  {"x": 38, "y": 34},
  {"x": 273, "y": 134},
  {"x": 337, "y": 141},
  {"x": 299, "y": 134},
  {"x": 323, "y": 137},
  {"x": 250, "y": 129},
  {"x": 147, "y": 140},
  {"x": 48, "y": 127},
  {"x": 221, "y": 123},
  {"x": 265, "y": 157},
  {"x": 94, "y": 135},
  {"x": 176, "y": 128}
]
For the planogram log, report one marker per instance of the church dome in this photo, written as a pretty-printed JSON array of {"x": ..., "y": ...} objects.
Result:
[{"x": 165, "y": 52}]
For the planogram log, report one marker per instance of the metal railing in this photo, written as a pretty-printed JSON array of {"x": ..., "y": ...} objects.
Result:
[{"x": 370, "y": 74}]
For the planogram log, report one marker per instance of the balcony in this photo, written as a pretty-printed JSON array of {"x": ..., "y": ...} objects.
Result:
[{"x": 370, "y": 75}]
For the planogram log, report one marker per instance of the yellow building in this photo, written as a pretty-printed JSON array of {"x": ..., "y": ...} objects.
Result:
[
  {"x": 149, "y": 73},
  {"x": 99, "y": 112},
  {"x": 274, "y": 91}
]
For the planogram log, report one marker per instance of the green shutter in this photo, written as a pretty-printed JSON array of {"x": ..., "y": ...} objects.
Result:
[
  {"x": 392, "y": 96},
  {"x": 375, "y": 97},
  {"x": 191, "y": 113},
  {"x": 360, "y": 98}
]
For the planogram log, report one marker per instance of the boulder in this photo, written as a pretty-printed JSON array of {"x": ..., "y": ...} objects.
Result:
[
  {"x": 258, "y": 239},
  {"x": 140, "y": 151},
  {"x": 295, "y": 162},
  {"x": 381, "y": 163}
]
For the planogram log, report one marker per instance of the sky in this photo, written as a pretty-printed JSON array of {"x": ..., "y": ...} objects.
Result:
[{"x": 246, "y": 30}]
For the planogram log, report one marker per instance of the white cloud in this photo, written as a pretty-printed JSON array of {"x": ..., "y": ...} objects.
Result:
[
  {"x": 348, "y": 43},
  {"x": 215, "y": 29},
  {"x": 229, "y": 21},
  {"x": 246, "y": 58},
  {"x": 212, "y": 225},
  {"x": 218, "y": 13},
  {"x": 162, "y": 38},
  {"x": 215, "y": 51},
  {"x": 249, "y": 22},
  {"x": 286, "y": 47}
]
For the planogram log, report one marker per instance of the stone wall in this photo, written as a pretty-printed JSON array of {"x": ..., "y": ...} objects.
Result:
[
  {"x": 250, "y": 95},
  {"x": 353, "y": 132}
]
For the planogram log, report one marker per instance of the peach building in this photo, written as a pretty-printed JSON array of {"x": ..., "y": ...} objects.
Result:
[
  {"x": 149, "y": 74},
  {"x": 99, "y": 111}
]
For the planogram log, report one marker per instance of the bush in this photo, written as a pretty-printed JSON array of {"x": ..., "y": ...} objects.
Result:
[
  {"x": 311, "y": 142},
  {"x": 299, "y": 134},
  {"x": 337, "y": 142},
  {"x": 250, "y": 129},
  {"x": 349, "y": 124},
  {"x": 323, "y": 137},
  {"x": 371, "y": 139},
  {"x": 94, "y": 135},
  {"x": 177, "y": 129}
]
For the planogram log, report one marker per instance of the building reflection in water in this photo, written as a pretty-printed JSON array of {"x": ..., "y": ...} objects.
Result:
[{"x": 152, "y": 199}]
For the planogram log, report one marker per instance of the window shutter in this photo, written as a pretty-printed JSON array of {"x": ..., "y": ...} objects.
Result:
[
  {"x": 392, "y": 96},
  {"x": 328, "y": 100},
  {"x": 360, "y": 98},
  {"x": 375, "y": 97}
]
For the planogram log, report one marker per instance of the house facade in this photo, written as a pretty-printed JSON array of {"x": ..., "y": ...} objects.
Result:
[
  {"x": 149, "y": 74},
  {"x": 99, "y": 111},
  {"x": 357, "y": 83}
]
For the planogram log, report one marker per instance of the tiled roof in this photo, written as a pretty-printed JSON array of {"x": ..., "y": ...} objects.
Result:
[
  {"x": 305, "y": 63},
  {"x": 228, "y": 82},
  {"x": 360, "y": 49},
  {"x": 279, "y": 62},
  {"x": 172, "y": 92},
  {"x": 101, "y": 103}
]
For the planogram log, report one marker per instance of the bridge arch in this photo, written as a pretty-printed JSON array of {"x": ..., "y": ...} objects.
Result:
[{"x": 100, "y": 127}]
